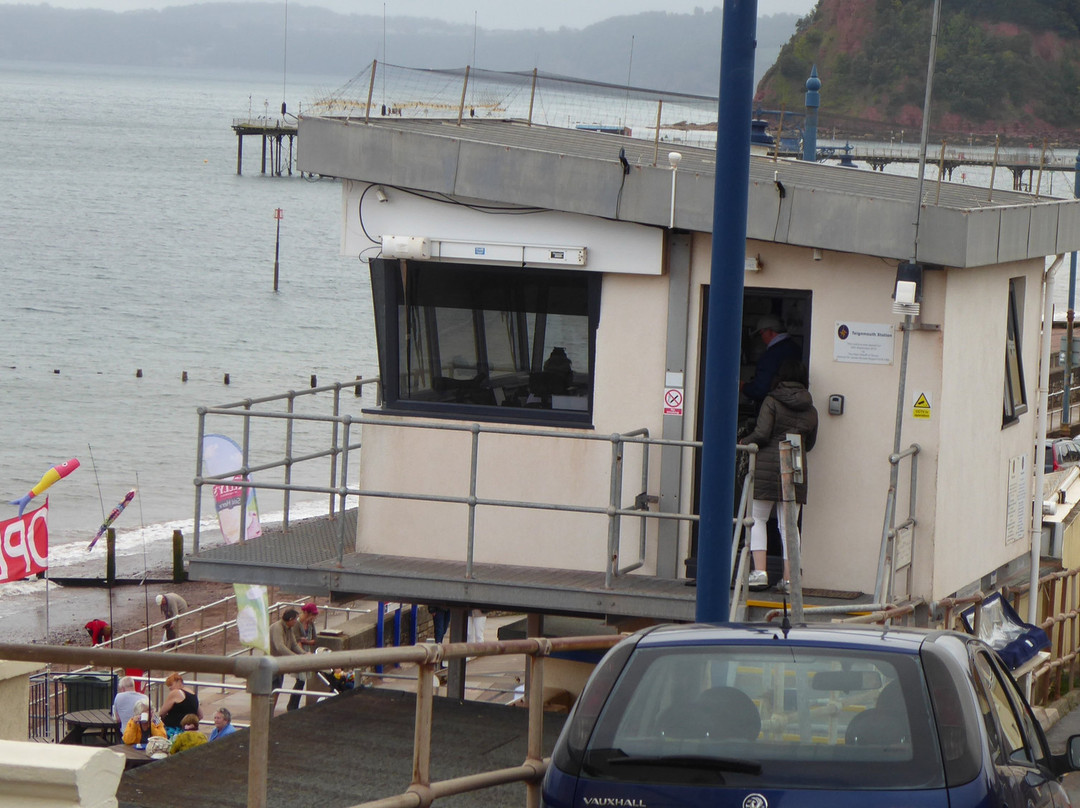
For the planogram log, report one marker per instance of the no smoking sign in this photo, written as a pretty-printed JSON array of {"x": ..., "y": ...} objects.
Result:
[{"x": 673, "y": 401}]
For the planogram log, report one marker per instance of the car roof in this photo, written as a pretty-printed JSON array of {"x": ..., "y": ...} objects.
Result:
[{"x": 876, "y": 638}]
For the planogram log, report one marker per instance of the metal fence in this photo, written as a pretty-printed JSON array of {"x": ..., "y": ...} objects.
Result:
[
  {"x": 339, "y": 449},
  {"x": 258, "y": 674}
]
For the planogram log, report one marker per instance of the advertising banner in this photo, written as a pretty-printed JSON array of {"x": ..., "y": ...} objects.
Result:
[
  {"x": 24, "y": 544},
  {"x": 222, "y": 455},
  {"x": 253, "y": 616}
]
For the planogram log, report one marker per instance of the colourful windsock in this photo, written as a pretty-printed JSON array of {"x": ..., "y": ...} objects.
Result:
[
  {"x": 55, "y": 474},
  {"x": 115, "y": 512}
]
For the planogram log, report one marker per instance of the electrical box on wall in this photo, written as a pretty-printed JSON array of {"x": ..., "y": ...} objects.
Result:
[
  {"x": 416, "y": 248},
  {"x": 836, "y": 404}
]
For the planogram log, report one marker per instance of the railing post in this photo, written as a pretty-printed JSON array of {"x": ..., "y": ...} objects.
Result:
[
  {"x": 421, "y": 773},
  {"x": 471, "y": 538},
  {"x": 289, "y": 408},
  {"x": 198, "y": 479},
  {"x": 260, "y": 684},
  {"x": 244, "y": 493},
  {"x": 334, "y": 448},
  {"x": 535, "y": 751},
  {"x": 614, "y": 493},
  {"x": 346, "y": 431}
]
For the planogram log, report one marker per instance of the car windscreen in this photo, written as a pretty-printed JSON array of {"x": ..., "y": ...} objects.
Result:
[{"x": 786, "y": 716}]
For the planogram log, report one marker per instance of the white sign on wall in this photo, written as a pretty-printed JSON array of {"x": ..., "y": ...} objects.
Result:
[
  {"x": 864, "y": 343},
  {"x": 1018, "y": 511}
]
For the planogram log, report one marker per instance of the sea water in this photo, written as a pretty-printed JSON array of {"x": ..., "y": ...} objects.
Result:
[{"x": 128, "y": 243}]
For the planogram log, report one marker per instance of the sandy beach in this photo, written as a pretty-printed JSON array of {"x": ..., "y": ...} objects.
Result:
[{"x": 59, "y": 618}]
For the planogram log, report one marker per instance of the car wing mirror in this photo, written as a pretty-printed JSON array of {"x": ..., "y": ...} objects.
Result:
[{"x": 1072, "y": 752}]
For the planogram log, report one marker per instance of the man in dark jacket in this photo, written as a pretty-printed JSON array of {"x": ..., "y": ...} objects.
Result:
[
  {"x": 779, "y": 346},
  {"x": 787, "y": 409}
]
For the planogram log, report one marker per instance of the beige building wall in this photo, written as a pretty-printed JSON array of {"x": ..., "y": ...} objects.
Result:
[
  {"x": 973, "y": 479},
  {"x": 15, "y": 699},
  {"x": 956, "y": 362},
  {"x": 628, "y": 395}
]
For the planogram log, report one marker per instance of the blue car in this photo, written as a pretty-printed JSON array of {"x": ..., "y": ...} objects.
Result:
[{"x": 756, "y": 716}]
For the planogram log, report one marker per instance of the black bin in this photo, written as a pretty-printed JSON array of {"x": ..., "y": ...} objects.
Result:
[{"x": 88, "y": 691}]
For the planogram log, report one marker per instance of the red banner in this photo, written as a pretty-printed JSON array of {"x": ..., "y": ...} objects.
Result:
[{"x": 24, "y": 544}]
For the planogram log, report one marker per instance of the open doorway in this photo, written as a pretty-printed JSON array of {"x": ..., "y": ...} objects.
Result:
[{"x": 791, "y": 310}]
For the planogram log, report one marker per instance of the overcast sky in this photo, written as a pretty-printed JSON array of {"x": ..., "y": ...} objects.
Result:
[{"x": 488, "y": 14}]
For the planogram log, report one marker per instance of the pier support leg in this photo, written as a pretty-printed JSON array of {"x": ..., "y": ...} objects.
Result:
[
  {"x": 264, "y": 154},
  {"x": 239, "y": 154}
]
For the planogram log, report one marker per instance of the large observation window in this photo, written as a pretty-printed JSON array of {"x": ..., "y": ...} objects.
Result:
[{"x": 491, "y": 343}]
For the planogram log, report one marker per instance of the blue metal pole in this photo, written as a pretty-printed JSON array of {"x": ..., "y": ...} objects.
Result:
[
  {"x": 725, "y": 309},
  {"x": 1065, "y": 403},
  {"x": 813, "y": 101}
]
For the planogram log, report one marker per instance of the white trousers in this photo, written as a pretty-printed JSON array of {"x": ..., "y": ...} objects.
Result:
[
  {"x": 476, "y": 626},
  {"x": 761, "y": 509}
]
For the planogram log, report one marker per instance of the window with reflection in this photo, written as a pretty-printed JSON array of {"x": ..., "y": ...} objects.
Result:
[
  {"x": 1015, "y": 402},
  {"x": 492, "y": 343}
]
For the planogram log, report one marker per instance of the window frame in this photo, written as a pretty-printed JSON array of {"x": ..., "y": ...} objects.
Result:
[
  {"x": 388, "y": 300},
  {"x": 1014, "y": 398}
]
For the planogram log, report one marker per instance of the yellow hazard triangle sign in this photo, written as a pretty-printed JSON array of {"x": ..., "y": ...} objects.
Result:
[{"x": 921, "y": 407}]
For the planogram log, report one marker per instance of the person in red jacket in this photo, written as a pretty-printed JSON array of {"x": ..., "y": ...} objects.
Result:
[{"x": 99, "y": 631}]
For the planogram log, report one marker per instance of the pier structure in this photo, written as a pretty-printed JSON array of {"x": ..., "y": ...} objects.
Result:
[
  {"x": 1023, "y": 163},
  {"x": 273, "y": 132}
]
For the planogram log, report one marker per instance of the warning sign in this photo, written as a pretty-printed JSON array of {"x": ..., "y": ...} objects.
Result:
[
  {"x": 673, "y": 401},
  {"x": 921, "y": 407}
]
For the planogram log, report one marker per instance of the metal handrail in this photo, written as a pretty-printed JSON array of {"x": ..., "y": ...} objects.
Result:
[
  {"x": 259, "y": 673},
  {"x": 341, "y": 447},
  {"x": 742, "y": 524},
  {"x": 886, "y": 569}
]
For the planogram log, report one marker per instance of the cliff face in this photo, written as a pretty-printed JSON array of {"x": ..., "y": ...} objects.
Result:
[{"x": 1008, "y": 67}]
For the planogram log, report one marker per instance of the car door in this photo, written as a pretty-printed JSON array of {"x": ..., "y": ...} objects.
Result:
[
  {"x": 1018, "y": 752},
  {"x": 1041, "y": 785}
]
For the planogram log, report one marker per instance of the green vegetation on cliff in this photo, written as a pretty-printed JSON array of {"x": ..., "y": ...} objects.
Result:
[{"x": 1003, "y": 66}]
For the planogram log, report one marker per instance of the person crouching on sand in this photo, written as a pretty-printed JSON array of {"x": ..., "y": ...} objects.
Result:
[{"x": 143, "y": 726}]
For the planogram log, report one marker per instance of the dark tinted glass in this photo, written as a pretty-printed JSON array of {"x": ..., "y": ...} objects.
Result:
[{"x": 789, "y": 717}]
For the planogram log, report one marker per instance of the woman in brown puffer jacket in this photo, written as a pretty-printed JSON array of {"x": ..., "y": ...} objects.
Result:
[{"x": 787, "y": 408}]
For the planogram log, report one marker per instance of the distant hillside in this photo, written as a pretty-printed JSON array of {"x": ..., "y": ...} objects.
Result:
[
  {"x": 1007, "y": 67},
  {"x": 676, "y": 52}
]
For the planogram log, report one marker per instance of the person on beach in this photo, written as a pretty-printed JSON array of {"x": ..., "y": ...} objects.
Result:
[
  {"x": 189, "y": 737},
  {"x": 99, "y": 631},
  {"x": 283, "y": 643},
  {"x": 305, "y": 632},
  {"x": 177, "y": 705},
  {"x": 222, "y": 724},
  {"x": 172, "y": 606},
  {"x": 123, "y": 706},
  {"x": 142, "y": 726}
]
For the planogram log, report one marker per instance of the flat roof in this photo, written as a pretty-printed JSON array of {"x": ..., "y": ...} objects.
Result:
[
  {"x": 577, "y": 171},
  {"x": 345, "y": 750}
]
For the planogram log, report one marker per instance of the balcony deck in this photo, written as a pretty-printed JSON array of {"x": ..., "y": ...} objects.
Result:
[{"x": 308, "y": 559}]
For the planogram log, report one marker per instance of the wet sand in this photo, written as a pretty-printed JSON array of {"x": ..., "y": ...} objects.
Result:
[{"x": 58, "y": 616}]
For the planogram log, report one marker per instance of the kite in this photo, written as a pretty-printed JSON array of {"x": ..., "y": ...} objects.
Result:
[
  {"x": 51, "y": 476},
  {"x": 115, "y": 512}
]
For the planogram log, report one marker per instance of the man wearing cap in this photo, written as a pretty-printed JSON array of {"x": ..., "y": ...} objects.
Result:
[
  {"x": 778, "y": 346},
  {"x": 172, "y": 606}
]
